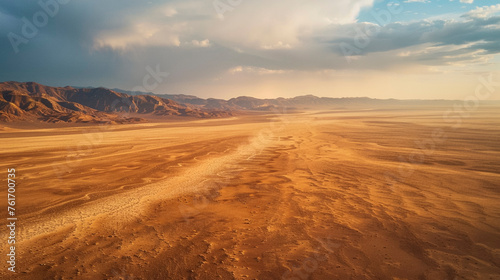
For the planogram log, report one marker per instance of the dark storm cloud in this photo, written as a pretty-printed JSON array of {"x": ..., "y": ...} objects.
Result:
[{"x": 61, "y": 51}]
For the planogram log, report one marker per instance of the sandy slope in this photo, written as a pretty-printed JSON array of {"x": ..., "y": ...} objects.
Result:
[{"x": 322, "y": 195}]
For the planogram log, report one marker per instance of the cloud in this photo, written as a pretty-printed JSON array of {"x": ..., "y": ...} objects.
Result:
[
  {"x": 201, "y": 44},
  {"x": 473, "y": 38},
  {"x": 133, "y": 28},
  {"x": 252, "y": 24},
  {"x": 278, "y": 45},
  {"x": 418, "y": 1},
  {"x": 483, "y": 12},
  {"x": 111, "y": 42},
  {"x": 256, "y": 70}
]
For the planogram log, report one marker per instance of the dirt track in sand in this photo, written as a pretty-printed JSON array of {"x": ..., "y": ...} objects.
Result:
[{"x": 316, "y": 196}]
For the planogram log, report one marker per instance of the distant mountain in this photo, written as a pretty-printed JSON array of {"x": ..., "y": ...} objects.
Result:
[
  {"x": 21, "y": 101},
  {"x": 244, "y": 103}
]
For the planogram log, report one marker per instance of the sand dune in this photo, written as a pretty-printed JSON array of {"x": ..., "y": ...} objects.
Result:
[{"x": 318, "y": 195}]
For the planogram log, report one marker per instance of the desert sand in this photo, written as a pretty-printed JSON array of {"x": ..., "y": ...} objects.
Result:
[{"x": 367, "y": 194}]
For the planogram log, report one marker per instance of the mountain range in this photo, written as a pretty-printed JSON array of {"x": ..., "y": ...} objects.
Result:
[
  {"x": 33, "y": 101},
  {"x": 305, "y": 102}
]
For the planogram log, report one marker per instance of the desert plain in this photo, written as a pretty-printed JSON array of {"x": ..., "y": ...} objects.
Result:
[{"x": 341, "y": 194}]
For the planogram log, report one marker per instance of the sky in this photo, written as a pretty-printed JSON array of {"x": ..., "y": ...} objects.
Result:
[{"x": 410, "y": 49}]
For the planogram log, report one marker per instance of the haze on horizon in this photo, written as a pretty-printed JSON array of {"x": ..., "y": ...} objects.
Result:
[{"x": 413, "y": 49}]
